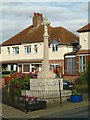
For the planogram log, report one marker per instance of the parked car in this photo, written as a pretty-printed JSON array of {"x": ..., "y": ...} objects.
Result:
[{"x": 68, "y": 85}]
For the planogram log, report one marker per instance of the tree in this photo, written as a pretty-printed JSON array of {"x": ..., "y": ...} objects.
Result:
[{"x": 88, "y": 72}]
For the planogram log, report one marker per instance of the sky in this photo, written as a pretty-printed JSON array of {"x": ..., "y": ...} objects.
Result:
[{"x": 17, "y": 15}]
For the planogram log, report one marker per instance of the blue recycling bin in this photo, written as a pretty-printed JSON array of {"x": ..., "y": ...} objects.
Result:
[{"x": 76, "y": 98}]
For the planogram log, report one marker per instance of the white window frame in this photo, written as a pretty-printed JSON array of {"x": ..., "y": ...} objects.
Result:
[
  {"x": 23, "y": 68},
  {"x": 28, "y": 49},
  {"x": 8, "y": 50},
  {"x": 15, "y": 50},
  {"x": 81, "y": 64},
  {"x": 54, "y": 47},
  {"x": 36, "y": 48}
]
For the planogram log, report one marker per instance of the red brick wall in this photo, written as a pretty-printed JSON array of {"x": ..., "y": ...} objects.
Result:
[
  {"x": 60, "y": 62},
  {"x": 70, "y": 78},
  {"x": 87, "y": 59}
]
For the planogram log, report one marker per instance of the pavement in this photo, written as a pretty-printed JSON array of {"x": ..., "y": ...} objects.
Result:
[{"x": 10, "y": 112}]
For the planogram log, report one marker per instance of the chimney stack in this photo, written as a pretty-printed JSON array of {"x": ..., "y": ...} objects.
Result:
[{"x": 37, "y": 19}]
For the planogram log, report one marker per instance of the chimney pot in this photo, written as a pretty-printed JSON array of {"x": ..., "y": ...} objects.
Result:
[
  {"x": 41, "y": 15},
  {"x": 37, "y": 19},
  {"x": 37, "y": 14},
  {"x": 34, "y": 13}
]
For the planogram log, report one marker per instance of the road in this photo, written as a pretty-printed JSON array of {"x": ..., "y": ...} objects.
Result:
[{"x": 80, "y": 112}]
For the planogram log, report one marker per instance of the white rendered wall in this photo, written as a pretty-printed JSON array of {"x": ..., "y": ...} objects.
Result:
[
  {"x": 33, "y": 56},
  {"x": 60, "y": 53},
  {"x": 84, "y": 40},
  {"x": 22, "y": 55}
]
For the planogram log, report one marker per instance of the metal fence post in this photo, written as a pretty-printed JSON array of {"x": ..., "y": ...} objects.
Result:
[
  {"x": 26, "y": 103},
  {"x": 60, "y": 94}
]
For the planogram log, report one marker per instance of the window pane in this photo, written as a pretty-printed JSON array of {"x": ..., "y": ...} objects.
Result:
[
  {"x": 25, "y": 50},
  {"x": 83, "y": 59},
  {"x": 28, "y": 49},
  {"x": 16, "y": 50},
  {"x": 74, "y": 65},
  {"x": 35, "y": 48},
  {"x": 26, "y": 68},
  {"x": 83, "y": 63},
  {"x": 80, "y": 64},
  {"x": 83, "y": 68},
  {"x": 8, "y": 50},
  {"x": 69, "y": 66},
  {"x": 56, "y": 47},
  {"x": 53, "y": 48}
]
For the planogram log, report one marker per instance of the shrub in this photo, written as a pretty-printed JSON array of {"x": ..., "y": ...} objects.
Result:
[
  {"x": 75, "y": 92},
  {"x": 19, "y": 83},
  {"x": 84, "y": 77},
  {"x": 88, "y": 72}
]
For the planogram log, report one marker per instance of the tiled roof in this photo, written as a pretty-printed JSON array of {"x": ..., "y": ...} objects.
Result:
[
  {"x": 32, "y": 35},
  {"x": 70, "y": 53},
  {"x": 79, "y": 52},
  {"x": 85, "y": 28},
  {"x": 84, "y": 51},
  {"x": 22, "y": 61}
]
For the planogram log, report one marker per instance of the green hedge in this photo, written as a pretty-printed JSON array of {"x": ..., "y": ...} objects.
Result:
[{"x": 18, "y": 84}]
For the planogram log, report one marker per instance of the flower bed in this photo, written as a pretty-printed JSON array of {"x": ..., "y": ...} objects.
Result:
[
  {"x": 7, "y": 79},
  {"x": 21, "y": 82}
]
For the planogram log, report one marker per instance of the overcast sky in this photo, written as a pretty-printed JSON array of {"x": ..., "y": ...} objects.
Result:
[{"x": 16, "y": 16}]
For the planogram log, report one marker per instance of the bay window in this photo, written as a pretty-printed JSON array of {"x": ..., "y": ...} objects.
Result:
[{"x": 70, "y": 65}]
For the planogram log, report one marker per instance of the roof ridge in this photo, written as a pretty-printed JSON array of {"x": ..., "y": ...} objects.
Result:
[
  {"x": 32, "y": 35},
  {"x": 84, "y": 28},
  {"x": 17, "y": 33}
]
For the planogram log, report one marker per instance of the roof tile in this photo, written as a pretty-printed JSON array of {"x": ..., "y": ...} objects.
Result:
[
  {"x": 32, "y": 35},
  {"x": 85, "y": 28}
]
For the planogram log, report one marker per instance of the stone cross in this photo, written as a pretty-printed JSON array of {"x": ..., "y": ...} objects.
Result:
[
  {"x": 46, "y": 73},
  {"x": 46, "y": 52}
]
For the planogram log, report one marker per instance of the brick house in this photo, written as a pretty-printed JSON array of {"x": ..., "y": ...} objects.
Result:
[
  {"x": 24, "y": 51},
  {"x": 76, "y": 62}
]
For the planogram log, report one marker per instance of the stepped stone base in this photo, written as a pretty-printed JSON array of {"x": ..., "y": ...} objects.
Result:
[
  {"x": 44, "y": 84},
  {"x": 48, "y": 90}
]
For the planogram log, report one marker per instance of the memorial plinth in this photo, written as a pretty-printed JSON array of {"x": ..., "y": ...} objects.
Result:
[{"x": 46, "y": 84}]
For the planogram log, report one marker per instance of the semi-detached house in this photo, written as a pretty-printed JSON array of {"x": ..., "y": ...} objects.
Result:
[
  {"x": 24, "y": 51},
  {"x": 76, "y": 62}
]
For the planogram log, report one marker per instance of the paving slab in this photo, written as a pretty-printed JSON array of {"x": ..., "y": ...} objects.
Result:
[{"x": 10, "y": 112}]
